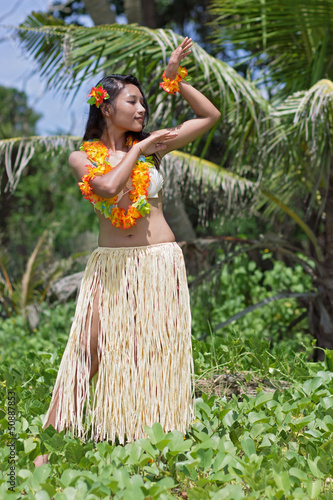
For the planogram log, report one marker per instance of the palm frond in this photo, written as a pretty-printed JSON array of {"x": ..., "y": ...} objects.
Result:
[
  {"x": 16, "y": 153},
  {"x": 7, "y": 281},
  {"x": 205, "y": 182},
  {"x": 69, "y": 55},
  {"x": 212, "y": 189},
  {"x": 31, "y": 277},
  {"x": 291, "y": 41},
  {"x": 301, "y": 138}
]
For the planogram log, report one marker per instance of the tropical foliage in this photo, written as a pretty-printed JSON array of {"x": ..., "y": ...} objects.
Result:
[
  {"x": 287, "y": 45},
  {"x": 273, "y": 443},
  {"x": 260, "y": 184},
  {"x": 262, "y": 141},
  {"x": 16, "y": 117}
]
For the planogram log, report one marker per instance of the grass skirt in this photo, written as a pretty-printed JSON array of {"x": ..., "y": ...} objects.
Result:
[{"x": 145, "y": 371}]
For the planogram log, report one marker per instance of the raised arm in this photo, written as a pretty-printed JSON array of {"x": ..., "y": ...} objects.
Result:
[{"x": 207, "y": 114}]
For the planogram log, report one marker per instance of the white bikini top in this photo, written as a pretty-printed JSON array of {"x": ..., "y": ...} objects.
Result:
[{"x": 156, "y": 183}]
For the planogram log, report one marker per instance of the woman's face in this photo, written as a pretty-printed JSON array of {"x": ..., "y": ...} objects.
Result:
[{"x": 129, "y": 110}]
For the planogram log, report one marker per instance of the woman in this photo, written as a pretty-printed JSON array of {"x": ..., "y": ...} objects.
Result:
[{"x": 132, "y": 321}]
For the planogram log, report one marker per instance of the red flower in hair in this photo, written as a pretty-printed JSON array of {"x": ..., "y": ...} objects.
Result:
[{"x": 97, "y": 96}]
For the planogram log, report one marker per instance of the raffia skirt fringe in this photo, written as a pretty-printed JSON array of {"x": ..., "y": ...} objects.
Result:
[{"x": 145, "y": 365}]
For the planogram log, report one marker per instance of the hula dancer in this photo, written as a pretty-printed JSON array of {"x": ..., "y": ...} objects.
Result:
[{"x": 131, "y": 332}]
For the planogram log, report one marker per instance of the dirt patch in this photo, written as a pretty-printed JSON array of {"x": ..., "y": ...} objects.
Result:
[{"x": 227, "y": 384}]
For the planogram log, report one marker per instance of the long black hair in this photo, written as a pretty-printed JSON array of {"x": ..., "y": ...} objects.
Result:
[{"x": 113, "y": 84}]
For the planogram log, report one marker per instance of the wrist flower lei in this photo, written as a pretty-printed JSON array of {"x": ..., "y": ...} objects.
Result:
[
  {"x": 172, "y": 86},
  {"x": 97, "y": 153}
]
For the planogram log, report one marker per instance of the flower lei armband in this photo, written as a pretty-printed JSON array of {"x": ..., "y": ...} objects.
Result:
[
  {"x": 97, "y": 96},
  {"x": 172, "y": 86},
  {"x": 97, "y": 153}
]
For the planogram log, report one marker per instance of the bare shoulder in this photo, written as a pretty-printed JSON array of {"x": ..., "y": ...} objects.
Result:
[
  {"x": 78, "y": 162},
  {"x": 76, "y": 158}
]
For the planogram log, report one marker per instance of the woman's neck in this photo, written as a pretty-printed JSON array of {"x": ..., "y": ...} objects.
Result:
[{"x": 114, "y": 140}]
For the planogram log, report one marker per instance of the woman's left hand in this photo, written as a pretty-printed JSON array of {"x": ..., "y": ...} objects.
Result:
[{"x": 177, "y": 55}]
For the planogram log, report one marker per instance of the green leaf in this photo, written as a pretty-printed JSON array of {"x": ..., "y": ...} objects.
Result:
[
  {"x": 312, "y": 385},
  {"x": 327, "y": 402},
  {"x": 263, "y": 398},
  {"x": 160, "y": 486},
  {"x": 25, "y": 424},
  {"x": 325, "y": 464},
  {"x": 134, "y": 489},
  {"x": 41, "y": 473},
  {"x": 122, "y": 477},
  {"x": 230, "y": 492},
  {"x": 42, "y": 495},
  {"x": 135, "y": 452},
  {"x": 74, "y": 452},
  {"x": 257, "y": 430},
  {"x": 258, "y": 417},
  {"x": 230, "y": 418},
  {"x": 104, "y": 448},
  {"x": 302, "y": 422},
  {"x": 204, "y": 409},
  {"x": 49, "y": 488},
  {"x": 205, "y": 457},
  {"x": 53, "y": 441},
  {"x": 148, "y": 447},
  {"x": 290, "y": 44},
  {"x": 68, "y": 476},
  {"x": 248, "y": 446},
  {"x": 197, "y": 493},
  {"x": 314, "y": 468},
  {"x": 328, "y": 361},
  {"x": 207, "y": 443},
  {"x": 178, "y": 444},
  {"x": 29, "y": 445},
  {"x": 68, "y": 493},
  {"x": 294, "y": 471},
  {"x": 221, "y": 477},
  {"x": 24, "y": 473},
  {"x": 155, "y": 432},
  {"x": 314, "y": 488},
  {"x": 282, "y": 481}
]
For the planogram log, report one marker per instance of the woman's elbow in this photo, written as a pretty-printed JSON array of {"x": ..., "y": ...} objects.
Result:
[
  {"x": 108, "y": 193},
  {"x": 216, "y": 116},
  {"x": 103, "y": 188},
  {"x": 111, "y": 189}
]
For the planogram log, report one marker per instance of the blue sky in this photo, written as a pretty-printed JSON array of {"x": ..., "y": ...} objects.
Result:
[{"x": 17, "y": 71}]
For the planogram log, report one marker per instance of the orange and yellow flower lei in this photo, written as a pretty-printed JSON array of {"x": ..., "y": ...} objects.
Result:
[
  {"x": 97, "y": 153},
  {"x": 172, "y": 86}
]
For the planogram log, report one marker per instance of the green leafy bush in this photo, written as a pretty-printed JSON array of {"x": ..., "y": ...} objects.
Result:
[
  {"x": 272, "y": 445},
  {"x": 243, "y": 283}
]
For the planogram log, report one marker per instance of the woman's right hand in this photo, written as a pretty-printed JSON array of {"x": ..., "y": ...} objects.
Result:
[{"x": 157, "y": 141}]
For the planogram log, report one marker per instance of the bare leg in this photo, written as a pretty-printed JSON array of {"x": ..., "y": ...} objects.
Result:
[{"x": 41, "y": 459}]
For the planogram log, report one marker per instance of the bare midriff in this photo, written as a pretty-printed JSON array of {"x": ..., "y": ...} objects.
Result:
[{"x": 150, "y": 230}]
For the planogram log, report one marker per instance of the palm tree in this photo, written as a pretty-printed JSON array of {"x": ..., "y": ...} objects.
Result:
[
  {"x": 291, "y": 45},
  {"x": 67, "y": 55},
  {"x": 266, "y": 140}
]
